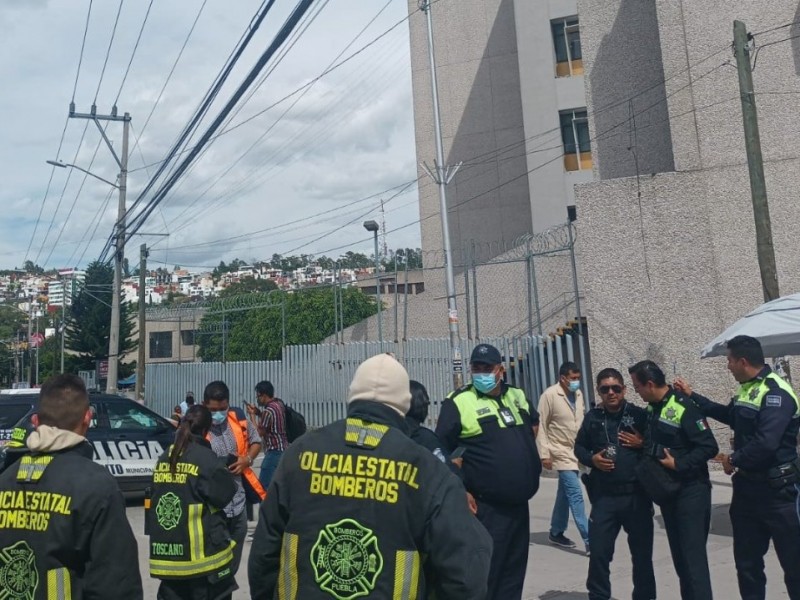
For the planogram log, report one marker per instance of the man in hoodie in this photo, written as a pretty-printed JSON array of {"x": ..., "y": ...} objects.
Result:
[
  {"x": 63, "y": 528},
  {"x": 357, "y": 508}
]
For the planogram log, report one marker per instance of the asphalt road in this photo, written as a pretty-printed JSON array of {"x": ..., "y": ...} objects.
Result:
[{"x": 558, "y": 574}]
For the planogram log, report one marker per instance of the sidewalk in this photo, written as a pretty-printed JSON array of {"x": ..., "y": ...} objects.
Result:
[{"x": 560, "y": 574}]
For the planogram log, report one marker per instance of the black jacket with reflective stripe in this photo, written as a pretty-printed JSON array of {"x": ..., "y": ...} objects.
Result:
[
  {"x": 64, "y": 528},
  {"x": 188, "y": 534},
  {"x": 357, "y": 507}
]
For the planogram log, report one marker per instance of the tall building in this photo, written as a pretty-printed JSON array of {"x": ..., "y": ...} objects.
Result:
[
  {"x": 511, "y": 94},
  {"x": 62, "y": 291},
  {"x": 666, "y": 238}
]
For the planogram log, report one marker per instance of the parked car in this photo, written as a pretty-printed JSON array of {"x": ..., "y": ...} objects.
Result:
[{"x": 127, "y": 437}]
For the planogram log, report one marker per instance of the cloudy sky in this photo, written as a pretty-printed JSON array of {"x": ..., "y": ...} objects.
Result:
[{"x": 301, "y": 175}]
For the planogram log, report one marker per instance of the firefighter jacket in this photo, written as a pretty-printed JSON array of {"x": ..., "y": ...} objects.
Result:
[
  {"x": 63, "y": 529},
  {"x": 356, "y": 509},
  {"x": 188, "y": 533}
]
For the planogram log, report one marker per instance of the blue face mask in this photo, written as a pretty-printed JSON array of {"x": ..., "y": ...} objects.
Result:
[
  {"x": 574, "y": 386},
  {"x": 218, "y": 416},
  {"x": 484, "y": 382}
]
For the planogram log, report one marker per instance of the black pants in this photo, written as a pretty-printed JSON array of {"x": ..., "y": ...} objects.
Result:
[
  {"x": 198, "y": 588},
  {"x": 237, "y": 527},
  {"x": 687, "y": 520},
  {"x": 509, "y": 527},
  {"x": 758, "y": 514},
  {"x": 634, "y": 514}
]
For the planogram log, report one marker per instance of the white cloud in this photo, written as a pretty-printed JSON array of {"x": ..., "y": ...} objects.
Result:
[{"x": 348, "y": 137}]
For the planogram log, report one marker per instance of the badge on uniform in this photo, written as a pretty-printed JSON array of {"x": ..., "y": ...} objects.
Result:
[
  {"x": 701, "y": 424},
  {"x": 774, "y": 401},
  {"x": 507, "y": 417}
]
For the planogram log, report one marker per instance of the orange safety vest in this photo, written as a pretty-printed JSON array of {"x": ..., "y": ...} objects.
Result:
[{"x": 239, "y": 429}]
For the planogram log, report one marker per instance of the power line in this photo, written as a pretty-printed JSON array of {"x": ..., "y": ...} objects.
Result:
[
  {"x": 108, "y": 52},
  {"x": 135, "y": 47},
  {"x": 83, "y": 46}
]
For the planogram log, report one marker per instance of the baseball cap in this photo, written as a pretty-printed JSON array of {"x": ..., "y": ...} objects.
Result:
[{"x": 486, "y": 354}]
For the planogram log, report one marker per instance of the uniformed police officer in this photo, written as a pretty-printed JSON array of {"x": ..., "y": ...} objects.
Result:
[
  {"x": 765, "y": 416},
  {"x": 358, "y": 509},
  {"x": 678, "y": 436},
  {"x": 610, "y": 443},
  {"x": 63, "y": 528},
  {"x": 191, "y": 550},
  {"x": 501, "y": 465}
]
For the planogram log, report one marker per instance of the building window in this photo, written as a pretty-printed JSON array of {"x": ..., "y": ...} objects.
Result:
[
  {"x": 161, "y": 344},
  {"x": 187, "y": 337},
  {"x": 575, "y": 135},
  {"x": 567, "y": 42}
]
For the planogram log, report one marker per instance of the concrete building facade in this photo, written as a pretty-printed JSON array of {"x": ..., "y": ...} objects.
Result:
[
  {"x": 511, "y": 94},
  {"x": 666, "y": 232}
]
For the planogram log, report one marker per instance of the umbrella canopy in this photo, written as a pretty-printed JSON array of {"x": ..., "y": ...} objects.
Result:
[
  {"x": 775, "y": 324},
  {"x": 130, "y": 380}
]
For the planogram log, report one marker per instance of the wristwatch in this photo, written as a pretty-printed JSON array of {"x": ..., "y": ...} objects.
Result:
[{"x": 249, "y": 460}]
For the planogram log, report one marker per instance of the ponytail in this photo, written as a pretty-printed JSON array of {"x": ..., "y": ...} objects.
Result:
[{"x": 196, "y": 421}]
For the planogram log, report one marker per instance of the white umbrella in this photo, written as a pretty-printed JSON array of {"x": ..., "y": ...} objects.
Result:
[{"x": 775, "y": 324}]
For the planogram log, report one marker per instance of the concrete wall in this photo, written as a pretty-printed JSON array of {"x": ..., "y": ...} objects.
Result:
[
  {"x": 661, "y": 283},
  {"x": 624, "y": 76}
]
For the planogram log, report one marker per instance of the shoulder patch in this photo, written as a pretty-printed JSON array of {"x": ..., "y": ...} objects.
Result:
[
  {"x": 702, "y": 425},
  {"x": 774, "y": 401}
]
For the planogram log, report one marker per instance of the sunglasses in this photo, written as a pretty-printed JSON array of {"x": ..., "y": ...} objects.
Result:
[{"x": 604, "y": 389}]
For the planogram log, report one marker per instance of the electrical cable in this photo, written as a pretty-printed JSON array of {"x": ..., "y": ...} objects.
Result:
[
  {"x": 83, "y": 46},
  {"x": 108, "y": 52},
  {"x": 135, "y": 47}
]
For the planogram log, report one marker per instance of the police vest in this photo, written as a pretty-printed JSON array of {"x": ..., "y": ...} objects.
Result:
[
  {"x": 188, "y": 538},
  {"x": 751, "y": 394},
  {"x": 474, "y": 409},
  {"x": 671, "y": 413},
  {"x": 239, "y": 430}
]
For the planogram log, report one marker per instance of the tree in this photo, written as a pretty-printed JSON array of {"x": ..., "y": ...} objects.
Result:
[
  {"x": 257, "y": 334},
  {"x": 89, "y": 320},
  {"x": 12, "y": 322},
  {"x": 248, "y": 285},
  {"x": 32, "y": 268}
]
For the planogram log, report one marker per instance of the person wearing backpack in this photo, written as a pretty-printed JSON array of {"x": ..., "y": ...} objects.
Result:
[{"x": 271, "y": 414}]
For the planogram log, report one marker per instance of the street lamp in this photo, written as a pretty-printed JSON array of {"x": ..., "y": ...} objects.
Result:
[
  {"x": 82, "y": 170},
  {"x": 374, "y": 227}
]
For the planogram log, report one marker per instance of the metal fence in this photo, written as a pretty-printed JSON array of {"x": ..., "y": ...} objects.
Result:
[{"x": 314, "y": 379}]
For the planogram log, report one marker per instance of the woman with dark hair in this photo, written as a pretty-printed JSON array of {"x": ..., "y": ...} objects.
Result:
[
  {"x": 190, "y": 548},
  {"x": 420, "y": 401}
]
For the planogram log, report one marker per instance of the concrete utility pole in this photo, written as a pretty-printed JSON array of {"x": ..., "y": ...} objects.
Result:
[
  {"x": 119, "y": 255},
  {"x": 374, "y": 228},
  {"x": 444, "y": 175},
  {"x": 755, "y": 164},
  {"x": 30, "y": 346},
  {"x": 142, "y": 323}
]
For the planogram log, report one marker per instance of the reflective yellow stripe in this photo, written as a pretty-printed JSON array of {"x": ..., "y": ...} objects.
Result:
[
  {"x": 59, "y": 585},
  {"x": 196, "y": 532},
  {"x": 363, "y": 433},
  {"x": 287, "y": 578},
  {"x": 188, "y": 568},
  {"x": 31, "y": 468},
  {"x": 472, "y": 408},
  {"x": 406, "y": 575}
]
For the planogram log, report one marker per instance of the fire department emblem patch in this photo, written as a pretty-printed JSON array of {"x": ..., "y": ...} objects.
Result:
[
  {"x": 18, "y": 575},
  {"x": 346, "y": 560},
  {"x": 168, "y": 511}
]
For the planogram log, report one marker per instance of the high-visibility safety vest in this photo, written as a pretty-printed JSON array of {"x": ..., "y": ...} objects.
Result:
[
  {"x": 239, "y": 430},
  {"x": 474, "y": 408},
  {"x": 751, "y": 393}
]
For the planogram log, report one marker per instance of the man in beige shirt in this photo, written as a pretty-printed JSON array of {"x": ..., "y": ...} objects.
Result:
[{"x": 561, "y": 410}]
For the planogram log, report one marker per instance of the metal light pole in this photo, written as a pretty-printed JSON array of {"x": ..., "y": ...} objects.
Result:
[
  {"x": 442, "y": 176},
  {"x": 374, "y": 228}
]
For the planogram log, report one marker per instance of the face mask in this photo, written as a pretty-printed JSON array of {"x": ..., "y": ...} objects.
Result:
[
  {"x": 574, "y": 386},
  {"x": 218, "y": 416},
  {"x": 484, "y": 382}
]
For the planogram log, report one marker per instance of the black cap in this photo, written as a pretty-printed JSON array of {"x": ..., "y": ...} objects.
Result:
[{"x": 486, "y": 354}]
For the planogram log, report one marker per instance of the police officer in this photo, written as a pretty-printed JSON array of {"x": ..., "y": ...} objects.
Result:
[
  {"x": 679, "y": 438},
  {"x": 610, "y": 443},
  {"x": 501, "y": 465},
  {"x": 358, "y": 509},
  {"x": 765, "y": 416},
  {"x": 63, "y": 528},
  {"x": 191, "y": 550}
]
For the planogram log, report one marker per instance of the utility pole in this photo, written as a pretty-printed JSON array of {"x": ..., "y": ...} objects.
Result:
[
  {"x": 63, "y": 326},
  {"x": 444, "y": 175},
  {"x": 755, "y": 163},
  {"x": 119, "y": 254},
  {"x": 30, "y": 346},
  {"x": 143, "y": 254}
]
